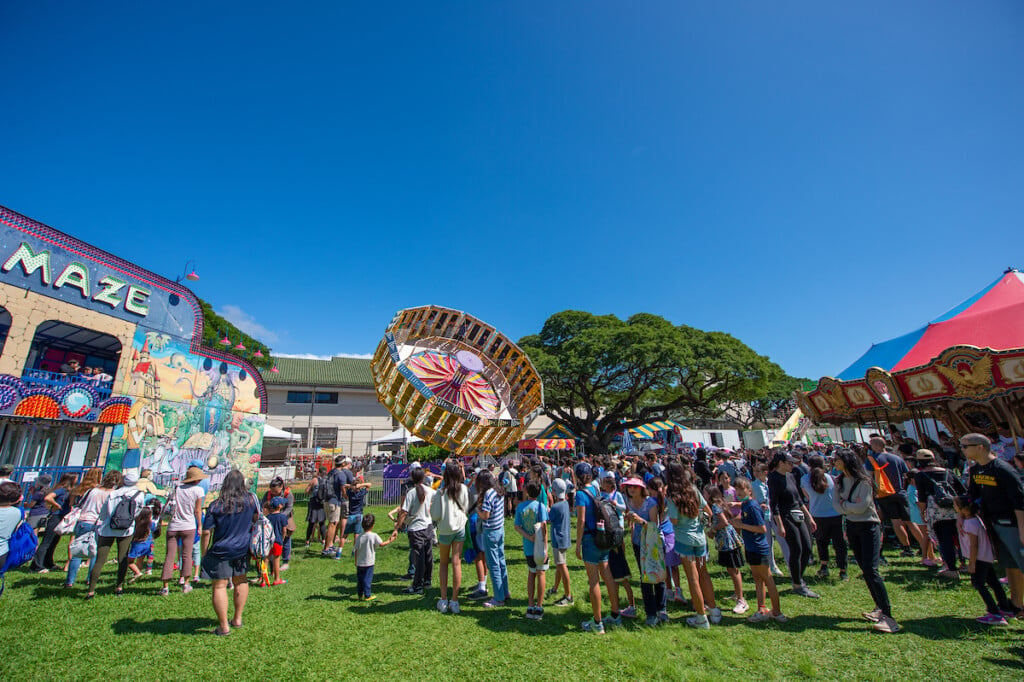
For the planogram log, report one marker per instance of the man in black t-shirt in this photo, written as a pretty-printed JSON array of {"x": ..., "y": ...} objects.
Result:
[{"x": 1001, "y": 494}]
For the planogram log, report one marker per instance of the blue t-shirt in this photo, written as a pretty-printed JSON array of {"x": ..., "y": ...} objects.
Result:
[
  {"x": 821, "y": 503},
  {"x": 62, "y": 496},
  {"x": 278, "y": 520},
  {"x": 587, "y": 499},
  {"x": 528, "y": 514},
  {"x": 643, "y": 512},
  {"x": 356, "y": 500},
  {"x": 559, "y": 518},
  {"x": 894, "y": 468},
  {"x": 751, "y": 515},
  {"x": 230, "y": 530}
]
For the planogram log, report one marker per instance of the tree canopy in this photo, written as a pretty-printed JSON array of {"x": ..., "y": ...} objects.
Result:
[
  {"x": 603, "y": 374},
  {"x": 214, "y": 329}
]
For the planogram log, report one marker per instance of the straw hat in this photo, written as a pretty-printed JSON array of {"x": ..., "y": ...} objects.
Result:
[{"x": 193, "y": 475}]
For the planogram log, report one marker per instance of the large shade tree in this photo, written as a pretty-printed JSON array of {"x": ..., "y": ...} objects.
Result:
[{"x": 603, "y": 374}]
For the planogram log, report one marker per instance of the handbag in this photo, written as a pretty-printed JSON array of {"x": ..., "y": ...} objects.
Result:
[
  {"x": 68, "y": 523},
  {"x": 83, "y": 546}
]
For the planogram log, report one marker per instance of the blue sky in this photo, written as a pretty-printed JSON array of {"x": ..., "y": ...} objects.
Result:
[{"x": 811, "y": 177}]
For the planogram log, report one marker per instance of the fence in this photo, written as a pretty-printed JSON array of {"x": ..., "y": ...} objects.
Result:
[{"x": 26, "y": 476}]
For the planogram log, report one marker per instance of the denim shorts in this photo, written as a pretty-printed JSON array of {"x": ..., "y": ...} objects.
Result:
[
  {"x": 692, "y": 551},
  {"x": 591, "y": 554},
  {"x": 446, "y": 539},
  {"x": 354, "y": 525}
]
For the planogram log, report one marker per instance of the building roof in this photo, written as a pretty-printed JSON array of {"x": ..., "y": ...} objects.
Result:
[{"x": 353, "y": 372}]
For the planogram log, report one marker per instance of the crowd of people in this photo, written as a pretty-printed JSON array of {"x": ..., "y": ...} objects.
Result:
[{"x": 811, "y": 502}]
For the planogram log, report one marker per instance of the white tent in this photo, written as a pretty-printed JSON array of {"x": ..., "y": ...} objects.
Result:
[
  {"x": 399, "y": 437},
  {"x": 273, "y": 432}
]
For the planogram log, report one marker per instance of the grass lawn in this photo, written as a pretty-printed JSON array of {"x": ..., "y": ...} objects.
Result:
[{"x": 313, "y": 628}]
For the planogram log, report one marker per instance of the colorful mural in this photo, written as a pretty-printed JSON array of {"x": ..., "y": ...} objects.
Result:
[{"x": 187, "y": 407}]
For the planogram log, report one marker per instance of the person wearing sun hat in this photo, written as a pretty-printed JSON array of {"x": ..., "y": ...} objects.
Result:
[{"x": 186, "y": 503}]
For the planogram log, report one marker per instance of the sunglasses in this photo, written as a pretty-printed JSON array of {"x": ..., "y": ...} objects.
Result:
[{"x": 964, "y": 446}]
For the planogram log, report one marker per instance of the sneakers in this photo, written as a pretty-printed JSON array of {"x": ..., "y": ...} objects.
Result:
[
  {"x": 781, "y": 618},
  {"x": 882, "y": 561},
  {"x": 887, "y": 625},
  {"x": 873, "y": 616},
  {"x": 759, "y": 617},
  {"x": 628, "y": 612},
  {"x": 677, "y": 595},
  {"x": 370, "y": 598},
  {"x": 477, "y": 595},
  {"x": 843, "y": 577},
  {"x": 777, "y": 572},
  {"x": 612, "y": 622},
  {"x": 662, "y": 617},
  {"x": 741, "y": 607},
  {"x": 551, "y": 593},
  {"x": 651, "y": 621},
  {"x": 949, "y": 575},
  {"x": 412, "y": 590},
  {"x": 804, "y": 591},
  {"x": 442, "y": 605},
  {"x": 930, "y": 563},
  {"x": 822, "y": 572},
  {"x": 535, "y": 612},
  {"x": 164, "y": 592},
  {"x": 592, "y": 626},
  {"x": 906, "y": 553},
  {"x": 991, "y": 619},
  {"x": 493, "y": 604},
  {"x": 714, "y": 615},
  {"x": 699, "y": 622},
  {"x": 453, "y": 608},
  {"x": 186, "y": 588},
  {"x": 565, "y": 601},
  {"x": 284, "y": 567}
]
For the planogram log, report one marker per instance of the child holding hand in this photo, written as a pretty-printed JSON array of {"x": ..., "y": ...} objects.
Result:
[{"x": 751, "y": 522}]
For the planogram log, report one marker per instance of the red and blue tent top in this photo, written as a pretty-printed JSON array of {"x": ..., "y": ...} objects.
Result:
[
  {"x": 992, "y": 318},
  {"x": 547, "y": 444}
]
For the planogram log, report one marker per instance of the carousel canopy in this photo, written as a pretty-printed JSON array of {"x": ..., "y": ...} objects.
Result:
[{"x": 992, "y": 318}]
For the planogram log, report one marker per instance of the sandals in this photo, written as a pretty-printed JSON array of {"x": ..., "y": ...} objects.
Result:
[
  {"x": 234, "y": 625},
  {"x": 217, "y": 632},
  {"x": 90, "y": 596}
]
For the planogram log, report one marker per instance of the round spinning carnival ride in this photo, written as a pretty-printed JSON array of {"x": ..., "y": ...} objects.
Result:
[{"x": 455, "y": 381}]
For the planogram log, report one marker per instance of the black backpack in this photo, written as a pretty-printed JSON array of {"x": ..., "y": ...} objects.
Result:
[
  {"x": 613, "y": 533},
  {"x": 323, "y": 491},
  {"x": 946, "y": 490},
  {"x": 123, "y": 515}
]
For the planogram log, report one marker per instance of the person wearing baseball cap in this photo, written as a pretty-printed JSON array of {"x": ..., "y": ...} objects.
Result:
[
  {"x": 928, "y": 479},
  {"x": 792, "y": 518},
  {"x": 595, "y": 560}
]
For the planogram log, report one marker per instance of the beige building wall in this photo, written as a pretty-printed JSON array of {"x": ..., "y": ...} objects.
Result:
[{"x": 357, "y": 417}]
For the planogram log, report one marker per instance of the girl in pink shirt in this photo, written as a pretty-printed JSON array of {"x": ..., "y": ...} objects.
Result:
[{"x": 977, "y": 547}]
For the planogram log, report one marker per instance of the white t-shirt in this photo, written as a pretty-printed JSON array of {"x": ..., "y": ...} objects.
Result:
[
  {"x": 91, "y": 503},
  {"x": 184, "y": 515},
  {"x": 366, "y": 549},
  {"x": 451, "y": 517},
  {"x": 418, "y": 514},
  {"x": 107, "y": 509}
]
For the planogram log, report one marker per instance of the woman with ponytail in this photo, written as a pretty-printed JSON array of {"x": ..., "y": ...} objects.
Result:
[{"x": 819, "y": 486}]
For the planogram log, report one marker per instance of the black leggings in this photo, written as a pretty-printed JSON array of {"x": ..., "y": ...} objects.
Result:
[
  {"x": 865, "y": 540},
  {"x": 44, "y": 552},
  {"x": 654, "y": 595},
  {"x": 830, "y": 529},
  {"x": 984, "y": 577},
  {"x": 798, "y": 536},
  {"x": 945, "y": 533}
]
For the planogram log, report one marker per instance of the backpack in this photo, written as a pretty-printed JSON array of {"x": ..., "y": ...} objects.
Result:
[
  {"x": 261, "y": 537},
  {"x": 122, "y": 516},
  {"x": 21, "y": 547},
  {"x": 323, "y": 493},
  {"x": 946, "y": 491},
  {"x": 883, "y": 486},
  {"x": 608, "y": 517}
]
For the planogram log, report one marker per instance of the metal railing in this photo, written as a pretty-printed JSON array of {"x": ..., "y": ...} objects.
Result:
[
  {"x": 25, "y": 476},
  {"x": 42, "y": 378}
]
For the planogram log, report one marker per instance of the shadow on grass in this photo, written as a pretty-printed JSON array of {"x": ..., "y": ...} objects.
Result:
[
  {"x": 1016, "y": 663},
  {"x": 164, "y": 626}
]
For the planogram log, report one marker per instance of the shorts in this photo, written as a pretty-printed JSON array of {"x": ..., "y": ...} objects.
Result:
[
  {"x": 617, "y": 564},
  {"x": 671, "y": 558},
  {"x": 692, "y": 551},
  {"x": 354, "y": 525},
  {"x": 730, "y": 558},
  {"x": 559, "y": 557},
  {"x": 336, "y": 511},
  {"x": 224, "y": 569},
  {"x": 531, "y": 563},
  {"x": 756, "y": 558},
  {"x": 1009, "y": 548},
  {"x": 895, "y": 507},
  {"x": 276, "y": 549},
  {"x": 591, "y": 554},
  {"x": 447, "y": 539}
]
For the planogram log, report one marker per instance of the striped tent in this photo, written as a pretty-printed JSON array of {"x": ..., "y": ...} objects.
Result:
[{"x": 647, "y": 431}]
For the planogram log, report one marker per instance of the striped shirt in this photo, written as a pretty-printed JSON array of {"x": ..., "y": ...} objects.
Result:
[{"x": 494, "y": 505}]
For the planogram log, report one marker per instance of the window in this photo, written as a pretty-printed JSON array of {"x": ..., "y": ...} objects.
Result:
[
  {"x": 325, "y": 437},
  {"x": 303, "y": 433},
  {"x": 300, "y": 397},
  {"x": 327, "y": 398}
]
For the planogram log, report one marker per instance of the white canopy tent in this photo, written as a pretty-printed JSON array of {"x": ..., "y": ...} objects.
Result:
[
  {"x": 399, "y": 437},
  {"x": 274, "y": 433}
]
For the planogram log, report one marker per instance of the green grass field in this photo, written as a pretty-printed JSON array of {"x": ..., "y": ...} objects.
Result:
[{"x": 313, "y": 628}]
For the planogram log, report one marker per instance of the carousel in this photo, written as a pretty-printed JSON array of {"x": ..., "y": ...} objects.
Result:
[
  {"x": 964, "y": 369},
  {"x": 455, "y": 381}
]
